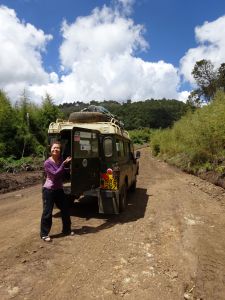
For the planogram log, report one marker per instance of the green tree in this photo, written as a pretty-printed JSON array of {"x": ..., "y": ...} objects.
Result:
[
  {"x": 26, "y": 139},
  {"x": 7, "y": 126},
  {"x": 206, "y": 79},
  {"x": 48, "y": 113},
  {"x": 221, "y": 77}
]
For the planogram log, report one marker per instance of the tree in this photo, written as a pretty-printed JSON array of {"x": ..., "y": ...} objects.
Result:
[
  {"x": 221, "y": 77},
  {"x": 49, "y": 112},
  {"x": 206, "y": 79},
  {"x": 7, "y": 126}
]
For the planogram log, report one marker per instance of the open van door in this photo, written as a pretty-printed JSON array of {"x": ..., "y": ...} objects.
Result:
[{"x": 85, "y": 165}]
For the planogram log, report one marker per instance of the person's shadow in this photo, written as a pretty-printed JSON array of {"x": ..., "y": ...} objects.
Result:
[{"x": 87, "y": 208}]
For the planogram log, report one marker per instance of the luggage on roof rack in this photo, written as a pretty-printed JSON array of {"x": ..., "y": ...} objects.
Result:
[{"x": 94, "y": 114}]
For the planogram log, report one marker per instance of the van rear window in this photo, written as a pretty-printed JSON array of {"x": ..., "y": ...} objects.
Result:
[
  {"x": 108, "y": 147},
  {"x": 85, "y": 144}
]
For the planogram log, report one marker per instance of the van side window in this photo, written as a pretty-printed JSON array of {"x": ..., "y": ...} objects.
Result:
[
  {"x": 107, "y": 146},
  {"x": 119, "y": 148},
  {"x": 131, "y": 151},
  {"x": 126, "y": 150}
]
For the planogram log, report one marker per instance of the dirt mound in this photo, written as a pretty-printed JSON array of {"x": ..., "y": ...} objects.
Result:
[
  {"x": 14, "y": 181},
  {"x": 213, "y": 177}
]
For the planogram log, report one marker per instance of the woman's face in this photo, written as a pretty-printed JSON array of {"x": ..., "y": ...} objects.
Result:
[{"x": 55, "y": 150}]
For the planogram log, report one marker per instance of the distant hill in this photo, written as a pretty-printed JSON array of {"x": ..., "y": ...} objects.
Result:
[{"x": 149, "y": 113}]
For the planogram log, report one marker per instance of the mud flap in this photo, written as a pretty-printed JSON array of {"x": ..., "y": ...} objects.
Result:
[{"x": 108, "y": 202}]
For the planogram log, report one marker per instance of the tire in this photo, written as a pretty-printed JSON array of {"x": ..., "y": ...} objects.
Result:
[
  {"x": 123, "y": 198},
  {"x": 134, "y": 185},
  {"x": 88, "y": 117},
  {"x": 70, "y": 199}
]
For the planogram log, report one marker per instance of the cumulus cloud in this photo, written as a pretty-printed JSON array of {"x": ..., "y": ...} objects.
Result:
[
  {"x": 211, "y": 39},
  {"x": 20, "y": 55},
  {"x": 98, "y": 59},
  {"x": 124, "y": 6},
  {"x": 98, "y": 55}
]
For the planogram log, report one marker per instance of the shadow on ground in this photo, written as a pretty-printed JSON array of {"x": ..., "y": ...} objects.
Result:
[{"x": 87, "y": 208}]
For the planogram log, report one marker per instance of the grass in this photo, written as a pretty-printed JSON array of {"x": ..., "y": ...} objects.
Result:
[{"x": 197, "y": 140}]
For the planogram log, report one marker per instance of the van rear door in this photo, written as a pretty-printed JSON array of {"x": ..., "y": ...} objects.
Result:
[{"x": 85, "y": 168}]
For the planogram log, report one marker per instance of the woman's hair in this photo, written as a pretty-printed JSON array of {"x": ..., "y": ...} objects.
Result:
[{"x": 56, "y": 143}]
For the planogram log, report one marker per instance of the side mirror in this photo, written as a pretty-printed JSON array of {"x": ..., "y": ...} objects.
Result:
[{"x": 137, "y": 154}]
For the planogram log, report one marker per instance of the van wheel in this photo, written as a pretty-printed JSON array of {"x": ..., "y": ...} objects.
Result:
[
  {"x": 123, "y": 198},
  {"x": 134, "y": 185},
  {"x": 70, "y": 199}
]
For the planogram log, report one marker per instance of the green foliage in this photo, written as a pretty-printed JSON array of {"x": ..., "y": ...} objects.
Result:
[
  {"x": 10, "y": 164},
  {"x": 197, "y": 140},
  {"x": 209, "y": 81},
  {"x": 23, "y": 128},
  {"x": 140, "y": 136},
  {"x": 150, "y": 113},
  {"x": 8, "y": 126}
]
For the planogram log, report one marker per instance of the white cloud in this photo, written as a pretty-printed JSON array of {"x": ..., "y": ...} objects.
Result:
[
  {"x": 125, "y": 6},
  {"x": 98, "y": 54},
  {"x": 102, "y": 34},
  {"x": 20, "y": 55},
  {"x": 211, "y": 39},
  {"x": 98, "y": 59}
]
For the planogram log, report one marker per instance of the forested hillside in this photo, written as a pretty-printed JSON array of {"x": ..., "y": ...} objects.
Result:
[{"x": 150, "y": 113}]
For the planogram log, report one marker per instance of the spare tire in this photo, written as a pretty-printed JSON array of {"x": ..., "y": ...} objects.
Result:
[{"x": 88, "y": 117}]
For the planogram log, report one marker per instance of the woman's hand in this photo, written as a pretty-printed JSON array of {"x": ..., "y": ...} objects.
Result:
[{"x": 68, "y": 159}]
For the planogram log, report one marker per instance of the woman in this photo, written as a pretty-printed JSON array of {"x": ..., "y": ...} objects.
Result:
[{"x": 53, "y": 193}]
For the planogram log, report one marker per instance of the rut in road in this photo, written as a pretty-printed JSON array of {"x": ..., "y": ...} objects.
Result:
[{"x": 169, "y": 244}]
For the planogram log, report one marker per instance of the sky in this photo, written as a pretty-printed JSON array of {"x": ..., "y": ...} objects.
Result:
[{"x": 83, "y": 50}]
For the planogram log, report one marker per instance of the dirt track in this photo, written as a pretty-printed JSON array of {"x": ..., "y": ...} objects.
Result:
[{"x": 169, "y": 244}]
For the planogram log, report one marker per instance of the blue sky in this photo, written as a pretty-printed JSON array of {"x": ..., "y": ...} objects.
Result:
[{"x": 120, "y": 49}]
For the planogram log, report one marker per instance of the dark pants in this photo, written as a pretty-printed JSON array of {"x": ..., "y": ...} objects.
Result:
[{"x": 51, "y": 197}]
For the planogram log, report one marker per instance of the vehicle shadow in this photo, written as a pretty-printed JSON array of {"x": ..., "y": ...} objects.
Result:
[{"x": 87, "y": 208}]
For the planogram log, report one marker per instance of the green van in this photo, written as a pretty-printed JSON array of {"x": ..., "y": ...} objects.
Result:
[{"x": 103, "y": 163}]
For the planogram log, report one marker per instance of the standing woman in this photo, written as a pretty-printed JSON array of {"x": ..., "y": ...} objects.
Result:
[{"x": 53, "y": 193}]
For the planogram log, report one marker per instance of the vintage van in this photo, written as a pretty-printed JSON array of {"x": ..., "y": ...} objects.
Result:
[{"x": 103, "y": 163}]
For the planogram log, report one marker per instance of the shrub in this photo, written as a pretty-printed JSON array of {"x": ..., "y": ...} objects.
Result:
[
  {"x": 140, "y": 136},
  {"x": 198, "y": 136}
]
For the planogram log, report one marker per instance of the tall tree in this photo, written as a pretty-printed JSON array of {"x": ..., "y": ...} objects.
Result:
[
  {"x": 7, "y": 126},
  {"x": 206, "y": 77},
  {"x": 221, "y": 77},
  {"x": 49, "y": 111}
]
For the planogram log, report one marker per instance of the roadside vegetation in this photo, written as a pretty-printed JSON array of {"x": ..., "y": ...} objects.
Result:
[
  {"x": 12, "y": 165},
  {"x": 23, "y": 126},
  {"x": 141, "y": 137},
  {"x": 196, "y": 143}
]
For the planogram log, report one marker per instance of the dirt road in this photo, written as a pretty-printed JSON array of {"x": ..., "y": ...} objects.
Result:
[{"x": 169, "y": 244}]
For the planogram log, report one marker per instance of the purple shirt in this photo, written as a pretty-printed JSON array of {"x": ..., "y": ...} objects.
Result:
[{"x": 54, "y": 172}]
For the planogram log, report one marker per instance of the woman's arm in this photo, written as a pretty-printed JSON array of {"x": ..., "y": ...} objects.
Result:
[{"x": 50, "y": 170}]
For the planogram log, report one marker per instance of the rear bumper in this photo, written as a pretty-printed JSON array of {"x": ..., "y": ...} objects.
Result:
[{"x": 108, "y": 200}]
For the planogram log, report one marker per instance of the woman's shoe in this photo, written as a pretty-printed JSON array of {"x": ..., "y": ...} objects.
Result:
[{"x": 46, "y": 238}]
